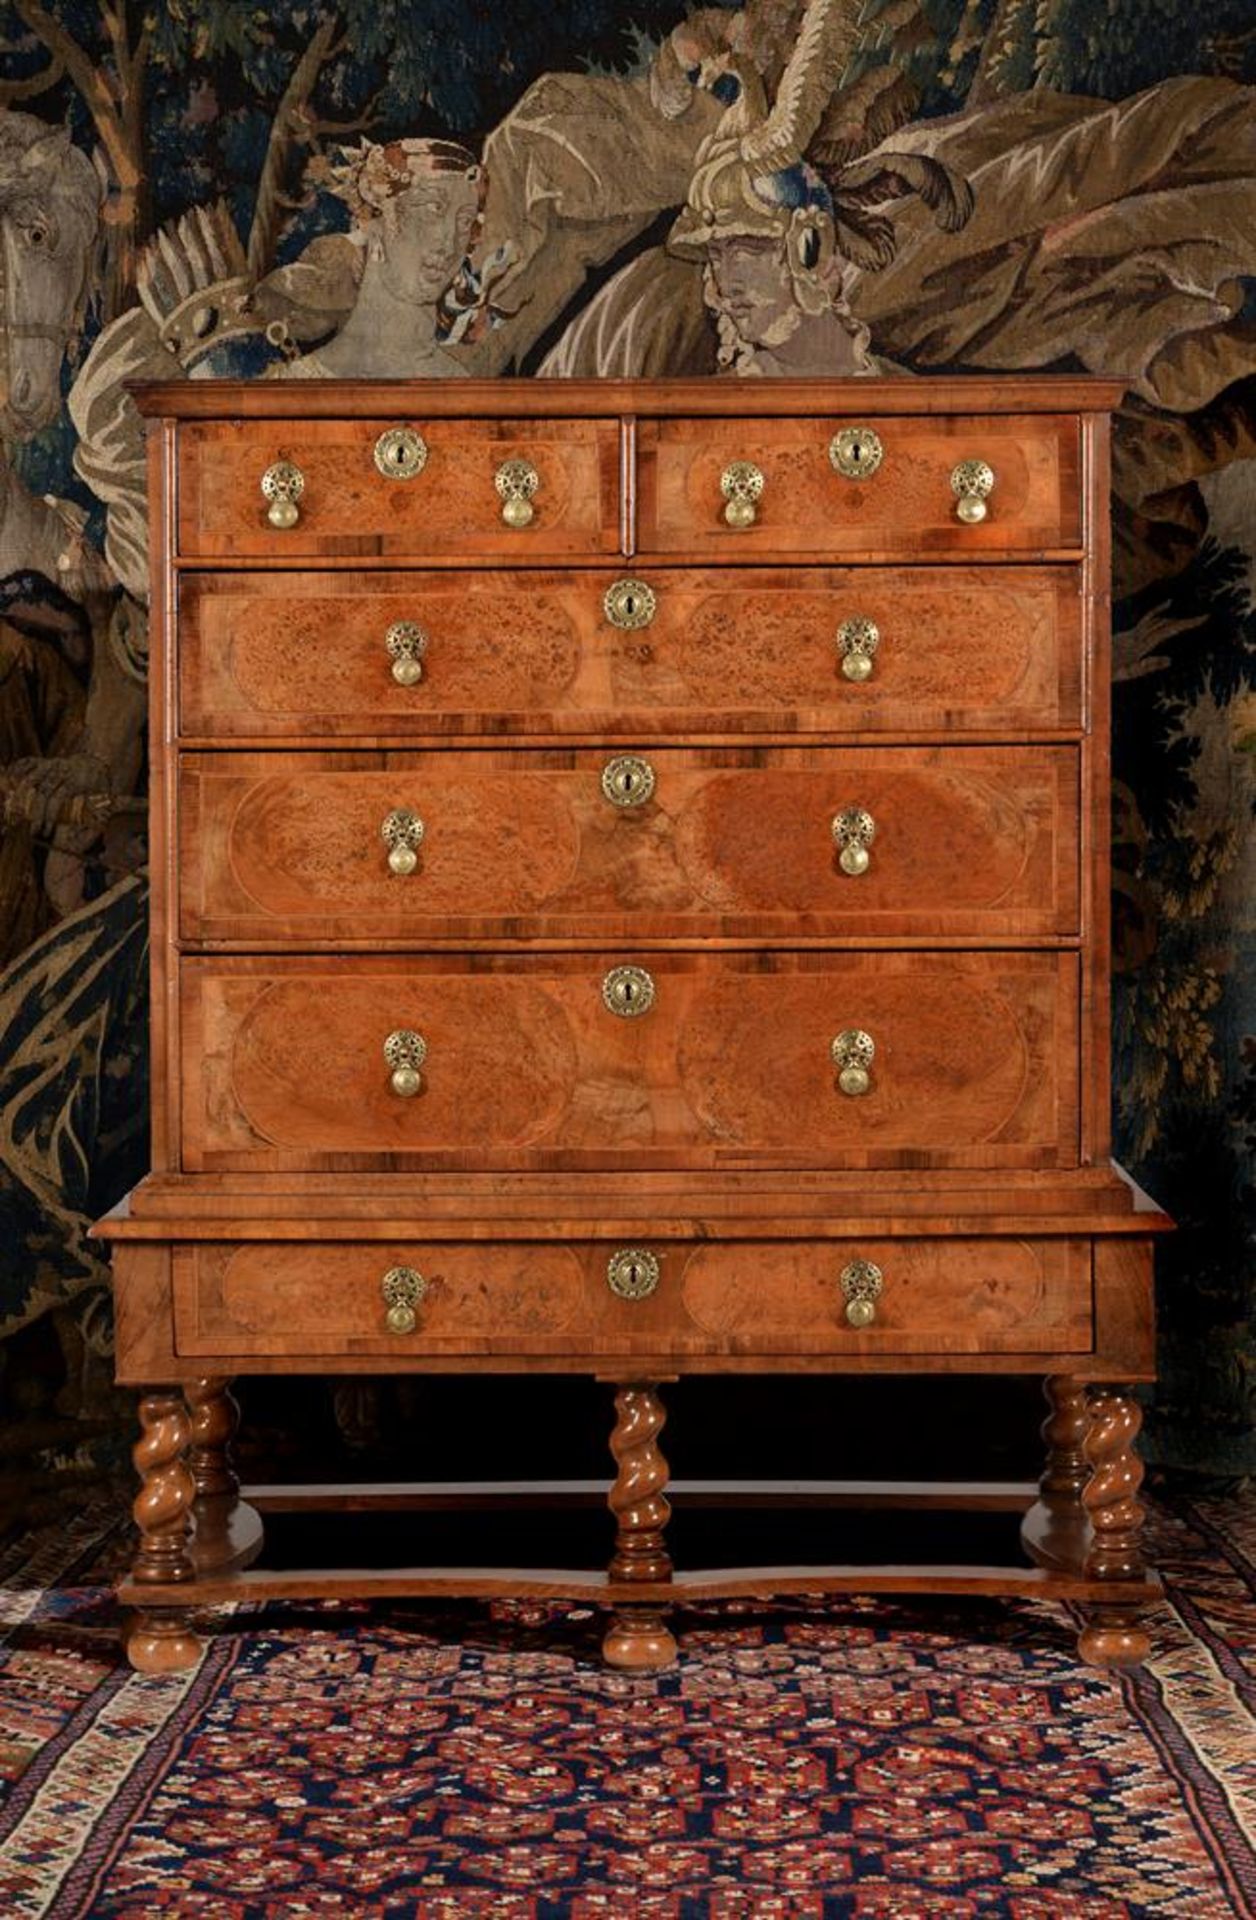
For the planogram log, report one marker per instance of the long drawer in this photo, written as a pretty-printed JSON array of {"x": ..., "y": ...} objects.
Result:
[
  {"x": 958, "y": 649},
  {"x": 742, "y": 843},
  {"x": 768, "y": 1297},
  {"x": 830, "y": 487},
  {"x": 365, "y": 488},
  {"x": 631, "y": 1059}
]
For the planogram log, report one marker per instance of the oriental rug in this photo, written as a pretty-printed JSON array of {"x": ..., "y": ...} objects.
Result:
[{"x": 891, "y": 1762}]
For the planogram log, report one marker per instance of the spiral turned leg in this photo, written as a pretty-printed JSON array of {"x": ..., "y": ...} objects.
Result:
[
  {"x": 638, "y": 1639},
  {"x": 1112, "y": 1636},
  {"x": 159, "y": 1639},
  {"x": 1064, "y": 1435},
  {"x": 214, "y": 1417}
]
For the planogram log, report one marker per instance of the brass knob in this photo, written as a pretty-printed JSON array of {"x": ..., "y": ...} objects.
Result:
[
  {"x": 853, "y": 1052},
  {"x": 627, "y": 780},
  {"x": 741, "y": 484},
  {"x": 856, "y": 452},
  {"x": 628, "y": 992},
  {"x": 402, "y": 833},
  {"x": 516, "y": 482},
  {"x": 400, "y": 453},
  {"x": 282, "y": 485},
  {"x": 629, "y": 604},
  {"x": 406, "y": 643},
  {"x": 972, "y": 483},
  {"x": 857, "y": 642},
  {"x": 403, "y": 1289},
  {"x": 854, "y": 830},
  {"x": 405, "y": 1051},
  {"x": 861, "y": 1284},
  {"x": 632, "y": 1273}
]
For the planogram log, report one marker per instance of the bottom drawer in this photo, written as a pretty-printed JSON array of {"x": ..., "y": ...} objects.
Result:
[{"x": 666, "y": 1298}]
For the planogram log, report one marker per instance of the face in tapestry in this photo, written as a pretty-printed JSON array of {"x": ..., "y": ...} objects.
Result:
[
  {"x": 423, "y": 235},
  {"x": 750, "y": 283}
]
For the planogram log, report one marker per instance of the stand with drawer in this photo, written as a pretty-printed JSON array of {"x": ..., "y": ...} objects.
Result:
[{"x": 630, "y": 898}]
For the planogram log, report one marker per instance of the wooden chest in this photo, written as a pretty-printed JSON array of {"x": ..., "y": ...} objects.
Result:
[{"x": 630, "y": 897}]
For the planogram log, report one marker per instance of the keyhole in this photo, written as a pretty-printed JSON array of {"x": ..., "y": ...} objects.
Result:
[{"x": 626, "y": 993}]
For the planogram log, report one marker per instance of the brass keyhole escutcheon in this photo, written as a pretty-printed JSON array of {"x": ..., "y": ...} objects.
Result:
[
  {"x": 856, "y": 452},
  {"x": 861, "y": 1283},
  {"x": 405, "y": 1051},
  {"x": 400, "y": 453},
  {"x": 857, "y": 643},
  {"x": 972, "y": 483},
  {"x": 282, "y": 486},
  {"x": 854, "y": 830},
  {"x": 853, "y": 1052},
  {"x": 403, "y": 1289},
  {"x": 632, "y": 1273},
  {"x": 629, "y": 604},
  {"x": 402, "y": 832},
  {"x": 628, "y": 781},
  {"x": 741, "y": 484},
  {"x": 628, "y": 992},
  {"x": 516, "y": 482},
  {"x": 406, "y": 643}
]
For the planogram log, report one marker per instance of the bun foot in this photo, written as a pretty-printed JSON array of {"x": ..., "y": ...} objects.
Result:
[
  {"x": 161, "y": 1641},
  {"x": 1112, "y": 1639},
  {"x": 639, "y": 1641}
]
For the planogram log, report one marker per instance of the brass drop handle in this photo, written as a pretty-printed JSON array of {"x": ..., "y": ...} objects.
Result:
[
  {"x": 516, "y": 482},
  {"x": 406, "y": 643},
  {"x": 402, "y": 833},
  {"x": 861, "y": 1283},
  {"x": 853, "y": 1052},
  {"x": 405, "y": 1051},
  {"x": 857, "y": 642},
  {"x": 403, "y": 1289},
  {"x": 632, "y": 1273},
  {"x": 854, "y": 830},
  {"x": 741, "y": 484},
  {"x": 628, "y": 780},
  {"x": 972, "y": 483},
  {"x": 282, "y": 486}
]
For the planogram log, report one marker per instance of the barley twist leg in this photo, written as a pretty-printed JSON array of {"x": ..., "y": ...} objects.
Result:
[
  {"x": 1112, "y": 1636},
  {"x": 638, "y": 1638},
  {"x": 159, "y": 1639}
]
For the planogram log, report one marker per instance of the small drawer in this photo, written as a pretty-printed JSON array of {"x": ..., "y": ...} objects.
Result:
[
  {"x": 285, "y": 489},
  {"x": 914, "y": 486},
  {"x": 766, "y": 844},
  {"x": 651, "y": 650},
  {"x": 630, "y": 1059},
  {"x": 752, "y": 1298}
]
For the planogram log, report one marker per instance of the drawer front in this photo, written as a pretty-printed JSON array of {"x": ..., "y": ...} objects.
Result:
[
  {"x": 974, "y": 1063},
  {"x": 954, "y": 649},
  {"x": 907, "y": 505},
  {"x": 759, "y": 844},
  {"x": 348, "y": 506},
  {"x": 769, "y": 1297}
]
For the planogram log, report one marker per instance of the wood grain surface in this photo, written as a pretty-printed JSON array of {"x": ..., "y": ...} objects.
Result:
[
  {"x": 970, "y": 843},
  {"x": 350, "y": 507},
  {"x": 965, "y": 650},
  {"x": 976, "y": 1061},
  {"x": 906, "y": 506},
  {"x": 741, "y": 1298}
]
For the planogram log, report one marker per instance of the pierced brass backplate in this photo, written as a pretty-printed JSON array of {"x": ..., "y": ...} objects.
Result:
[
  {"x": 856, "y": 452},
  {"x": 400, "y": 453},
  {"x": 629, "y": 604},
  {"x": 632, "y": 1273},
  {"x": 403, "y": 1289},
  {"x": 861, "y": 1283},
  {"x": 628, "y": 991}
]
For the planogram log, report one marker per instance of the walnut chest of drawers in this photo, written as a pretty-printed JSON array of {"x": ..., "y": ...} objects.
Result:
[{"x": 630, "y": 897}]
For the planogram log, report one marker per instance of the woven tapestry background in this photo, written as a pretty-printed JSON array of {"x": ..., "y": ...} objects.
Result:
[{"x": 942, "y": 185}]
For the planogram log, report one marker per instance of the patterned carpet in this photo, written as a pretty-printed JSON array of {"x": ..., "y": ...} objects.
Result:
[{"x": 864, "y": 1759}]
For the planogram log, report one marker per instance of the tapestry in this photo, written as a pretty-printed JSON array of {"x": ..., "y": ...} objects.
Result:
[{"x": 306, "y": 189}]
